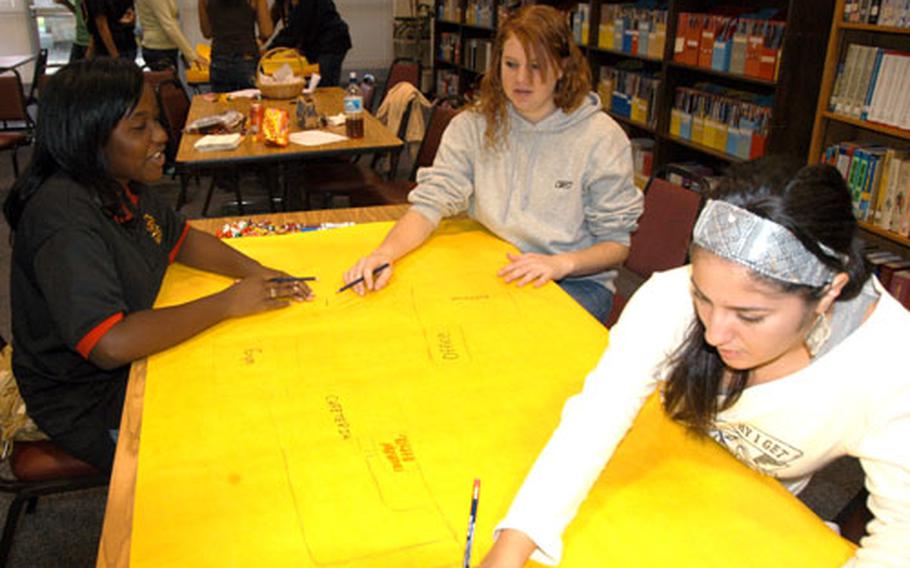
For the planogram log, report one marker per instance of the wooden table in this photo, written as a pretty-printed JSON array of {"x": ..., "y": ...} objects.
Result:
[
  {"x": 114, "y": 548},
  {"x": 329, "y": 101},
  {"x": 13, "y": 61},
  {"x": 691, "y": 496}
]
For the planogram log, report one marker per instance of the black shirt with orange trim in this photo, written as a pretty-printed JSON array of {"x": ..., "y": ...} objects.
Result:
[{"x": 75, "y": 273}]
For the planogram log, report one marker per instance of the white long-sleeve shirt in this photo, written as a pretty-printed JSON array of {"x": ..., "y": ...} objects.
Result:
[
  {"x": 853, "y": 400},
  {"x": 161, "y": 28}
]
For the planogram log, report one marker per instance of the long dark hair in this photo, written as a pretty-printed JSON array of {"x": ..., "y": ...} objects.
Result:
[
  {"x": 813, "y": 203},
  {"x": 80, "y": 106}
]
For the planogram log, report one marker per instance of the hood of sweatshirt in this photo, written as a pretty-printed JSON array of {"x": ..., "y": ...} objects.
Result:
[{"x": 558, "y": 120}]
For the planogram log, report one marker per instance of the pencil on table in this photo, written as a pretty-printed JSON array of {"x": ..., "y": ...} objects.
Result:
[
  {"x": 353, "y": 283},
  {"x": 475, "y": 497},
  {"x": 292, "y": 279}
]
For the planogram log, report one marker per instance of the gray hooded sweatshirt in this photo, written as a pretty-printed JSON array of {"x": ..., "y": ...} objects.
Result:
[{"x": 563, "y": 184}]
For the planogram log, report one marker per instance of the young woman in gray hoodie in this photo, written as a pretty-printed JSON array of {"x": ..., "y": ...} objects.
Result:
[{"x": 536, "y": 162}]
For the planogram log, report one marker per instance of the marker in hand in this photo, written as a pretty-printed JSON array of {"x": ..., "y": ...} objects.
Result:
[
  {"x": 357, "y": 281},
  {"x": 280, "y": 279}
]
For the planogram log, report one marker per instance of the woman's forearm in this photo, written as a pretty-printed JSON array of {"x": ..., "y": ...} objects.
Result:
[
  {"x": 512, "y": 549},
  {"x": 408, "y": 233},
  {"x": 144, "y": 333},
  {"x": 207, "y": 252},
  {"x": 596, "y": 258}
]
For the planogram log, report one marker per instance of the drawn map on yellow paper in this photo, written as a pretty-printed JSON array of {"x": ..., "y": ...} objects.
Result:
[{"x": 347, "y": 431}]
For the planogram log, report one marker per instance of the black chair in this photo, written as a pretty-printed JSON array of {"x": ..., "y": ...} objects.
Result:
[
  {"x": 402, "y": 69},
  {"x": 38, "y": 78}
]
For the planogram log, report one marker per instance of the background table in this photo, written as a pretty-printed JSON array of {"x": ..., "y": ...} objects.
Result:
[
  {"x": 329, "y": 101},
  {"x": 13, "y": 61}
]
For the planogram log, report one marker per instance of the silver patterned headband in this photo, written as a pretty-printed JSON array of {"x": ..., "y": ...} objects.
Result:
[{"x": 760, "y": 244}]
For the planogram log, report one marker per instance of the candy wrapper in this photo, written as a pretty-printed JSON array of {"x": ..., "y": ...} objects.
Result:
[
  {"x": 229, "y": 121},
  {"x": 276, "y": 127}
]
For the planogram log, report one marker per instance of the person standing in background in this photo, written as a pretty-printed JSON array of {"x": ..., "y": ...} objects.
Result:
[
  {"x": 315, "y": 28},
  {"x": 162, "y": 36},
  {"x": 112, "y": 25},
  {"x": 83, "y": 38},
  {"x": 232, "y": 27}
]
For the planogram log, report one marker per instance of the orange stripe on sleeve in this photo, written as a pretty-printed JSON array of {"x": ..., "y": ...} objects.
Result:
[
  {"x": 87, "y": 343},
  {"x": 176, "y": 250}
]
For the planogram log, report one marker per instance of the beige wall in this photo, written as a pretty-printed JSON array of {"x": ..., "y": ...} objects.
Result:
[{"x": 15, "y": 28}]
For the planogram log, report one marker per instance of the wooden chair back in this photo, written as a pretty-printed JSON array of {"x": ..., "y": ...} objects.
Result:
[
  {"x": 661, "y": 241},
  {"x": 12, "y": 102},
  {"x": 403, "y": 69},
  {"x": 174, "y": 105},
  {"x": 442, "y": 112}
]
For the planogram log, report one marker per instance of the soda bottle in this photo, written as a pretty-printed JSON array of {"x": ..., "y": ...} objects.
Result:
[{"x": 353, "y": 108}]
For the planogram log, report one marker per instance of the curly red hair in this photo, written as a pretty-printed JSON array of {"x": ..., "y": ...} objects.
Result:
[{"x": 544, "y": 33}]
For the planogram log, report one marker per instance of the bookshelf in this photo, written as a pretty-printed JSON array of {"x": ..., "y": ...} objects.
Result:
[
  {"x": 793, "y": 91},
  {"x": 832, "y": 127}
]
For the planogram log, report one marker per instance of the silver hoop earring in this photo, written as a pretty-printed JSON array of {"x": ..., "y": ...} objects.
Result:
[{"x": 818, "y": 335}]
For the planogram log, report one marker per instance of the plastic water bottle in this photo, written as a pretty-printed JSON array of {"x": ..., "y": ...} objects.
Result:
[{"x": 353, "y": 108}]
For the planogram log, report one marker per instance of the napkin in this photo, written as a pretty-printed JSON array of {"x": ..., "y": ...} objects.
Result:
[
  {"x": 315, "y": 137},
  {"x": 336, "y": 120},
  {"x": 244, "y": 94},
  {"x": 218, "y": 142}
]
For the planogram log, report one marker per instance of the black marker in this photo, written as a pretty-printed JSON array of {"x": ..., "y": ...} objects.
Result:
[{"x": 292, "y": 279}]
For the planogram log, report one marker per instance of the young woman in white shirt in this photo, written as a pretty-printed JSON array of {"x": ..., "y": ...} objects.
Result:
[{"x": 776, "y": 326}]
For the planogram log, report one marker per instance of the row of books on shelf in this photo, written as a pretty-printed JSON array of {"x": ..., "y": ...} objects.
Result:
[
  {"x": 742, "y": 45},
  {"x": 705, "y": 174},
  {"x": 447, "y": 82},
  {"x": 880, "y": 12},
  {"x": 476, "y": 53},
  {"x": 729, "y": 121},
  {"x": 449, "y": 47},
  {"x": 633, "y": 30},
  {"x": 879, "y": 181},
  {"x": 630, "y": 94},
  {"x": 642, "y": 158},
  {"x": 873, "y": 84},
  {"x": 479, "y": 13},
  {"x": 893, "y": 271},
  {"x": 580, "y": 20},
  {"x": 449, "y": 10}
]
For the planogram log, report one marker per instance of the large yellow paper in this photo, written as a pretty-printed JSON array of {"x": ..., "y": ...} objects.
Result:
[{"x": 348, "y": 431}]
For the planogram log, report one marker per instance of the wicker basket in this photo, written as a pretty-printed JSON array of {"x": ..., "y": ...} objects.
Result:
[{"x": 272, "y": 60}]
